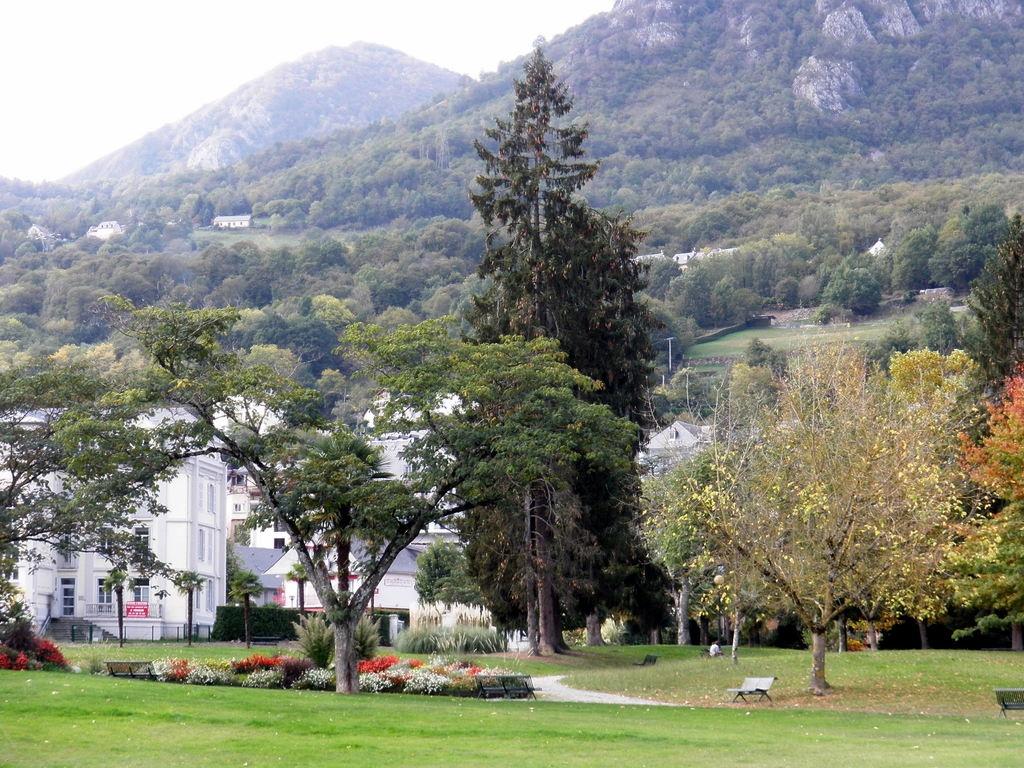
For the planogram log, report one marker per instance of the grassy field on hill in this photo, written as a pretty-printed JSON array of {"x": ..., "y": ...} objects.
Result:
[
  {"x": 895, "y": 708},
  {"x": 788, "y": 338}
]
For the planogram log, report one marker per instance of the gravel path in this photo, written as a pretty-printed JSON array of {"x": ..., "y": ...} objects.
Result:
[{"x": 551, "y": 689}]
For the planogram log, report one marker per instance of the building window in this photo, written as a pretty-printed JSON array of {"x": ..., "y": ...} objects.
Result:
[
  {"x": 202, "y": 544},
  {"x": 211, "y": 498},
  {"x": 142, "y": 536},
  {"x": 141, "y": 590},
  {"x": 104, "y": 596},
  {"x": 238, "y": 507},
  {"x": 278, "y": 543},
  {"x": 209, "y": 544},
  {"x": 278, "y": 526},
  {"x": 209, "y": 595}
]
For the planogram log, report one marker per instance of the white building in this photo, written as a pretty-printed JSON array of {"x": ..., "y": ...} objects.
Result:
[
  {"x": 190, "y": 536},
  {"x": 105, "y": 230},
  {"x": 674, "y": 443},
  {"x": 232, "y": 222}
]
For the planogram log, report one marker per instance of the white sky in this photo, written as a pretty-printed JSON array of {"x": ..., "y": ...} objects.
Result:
[{"x": 83, "y": 78}]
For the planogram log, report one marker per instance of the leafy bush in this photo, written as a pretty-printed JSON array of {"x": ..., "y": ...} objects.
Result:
[
  {"x": 267, "y": 621},
  {"x": 613, "y": 632},
  {"x": 254, "y": 662},
  {"x": 316, "y": 640},
  {"x": 366, "y": 638},
  {"x": 315, "y": 680},
  {"x": 264, "y": 678},
  {"x": 293, "y": 669},
  {"x": 450, "y": 640}
]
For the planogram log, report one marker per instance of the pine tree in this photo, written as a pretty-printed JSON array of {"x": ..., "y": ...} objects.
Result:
[
  {"x": 997, "y": 299},
  {"x": 561, "y": 269}
]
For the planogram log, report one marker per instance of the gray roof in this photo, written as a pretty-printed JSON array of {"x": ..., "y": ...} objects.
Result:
[{"x": 258, "y": 559}]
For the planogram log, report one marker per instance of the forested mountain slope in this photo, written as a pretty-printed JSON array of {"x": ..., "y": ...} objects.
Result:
[{"x": 321, "y": 93}]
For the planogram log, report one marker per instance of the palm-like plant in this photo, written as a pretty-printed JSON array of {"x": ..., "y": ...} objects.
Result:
[
  {"x": 298, "y": 574},
  {"x": 244, "y": 586},
  {"x": 115, "y": 582},
  {"x": 187, "y": 583}
]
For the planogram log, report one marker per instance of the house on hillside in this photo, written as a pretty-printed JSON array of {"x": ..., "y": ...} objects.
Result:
[
  {"x": 674, "y": 443},
  {"x": 105, "y": 230},
  {"x": 232, "y": 222}
]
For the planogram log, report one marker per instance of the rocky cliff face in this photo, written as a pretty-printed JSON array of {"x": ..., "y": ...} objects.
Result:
[
  {"x": 825, "y": 84},
  {"x": 322, "y": 92}
]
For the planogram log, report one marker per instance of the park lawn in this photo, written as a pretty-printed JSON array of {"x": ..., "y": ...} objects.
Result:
[
  {"x": 59, "y": 719},
  {"x": 786, "y": 338},
  {"x": 939, "y": 682}
]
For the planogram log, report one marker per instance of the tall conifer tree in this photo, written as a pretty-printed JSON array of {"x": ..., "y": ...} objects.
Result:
[
  {"x": 997, "y": 299},
  {"x": 561, "y": 269}
]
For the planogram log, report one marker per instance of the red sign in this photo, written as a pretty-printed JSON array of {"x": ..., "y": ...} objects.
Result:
[{"x": 136, "y": 610}]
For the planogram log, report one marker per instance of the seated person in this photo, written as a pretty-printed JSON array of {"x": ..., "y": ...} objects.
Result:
[{"x": 715, "y": 649}]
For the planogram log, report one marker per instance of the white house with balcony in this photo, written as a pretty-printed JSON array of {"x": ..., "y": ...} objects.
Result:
[
  {"x": 68, "y": 592},
  {"x": 105, "y": 230}
]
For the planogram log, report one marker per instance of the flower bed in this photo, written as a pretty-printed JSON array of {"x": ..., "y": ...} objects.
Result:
[
  {"x": 388, "y": 674},
  {"x": 383, "y": 674},
  {"x": 41, "y": 654}
]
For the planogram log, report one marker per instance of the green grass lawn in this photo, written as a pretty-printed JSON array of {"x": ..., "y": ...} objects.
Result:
[
  {"x": 894, "y": 708},
  {"x": 785, "y": 338}
]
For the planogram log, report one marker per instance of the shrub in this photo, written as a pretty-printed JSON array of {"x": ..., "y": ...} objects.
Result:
[
  {"x": 315, "y": 680},
  {"x": 379, "y": 664},
  {"x": 264, "y": 678},
  {"x": 366, "y": 638},
  {"x": 210, "y": 674},
  {"x": 292, "y": 669},
  {"x": 316, "y": 640},
  {"x": 267, "y": 620},
  {"x": 613, "y": 632},
  {"x": 450, "y": 640},
  {"x": 255, "y": 662},
  {"x": 426, "y": 681}
]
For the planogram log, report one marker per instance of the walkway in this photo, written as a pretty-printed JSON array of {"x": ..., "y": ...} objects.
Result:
[{"x": 551, "y": 689}]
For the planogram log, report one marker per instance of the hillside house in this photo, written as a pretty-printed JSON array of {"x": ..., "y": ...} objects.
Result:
[
  {"x": 674, "y": 443},
  {"x": 105, "y": 230},
  {"x": 232, "y": 222}
]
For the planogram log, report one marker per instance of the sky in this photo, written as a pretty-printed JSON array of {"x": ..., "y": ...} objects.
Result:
[{"x": 83, "y": 78}]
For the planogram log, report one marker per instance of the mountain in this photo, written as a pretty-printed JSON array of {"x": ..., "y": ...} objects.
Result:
[{"x": 322, "y": 92}]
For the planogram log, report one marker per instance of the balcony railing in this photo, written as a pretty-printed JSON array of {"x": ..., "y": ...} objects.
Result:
[{"x": 103, "y": 610}]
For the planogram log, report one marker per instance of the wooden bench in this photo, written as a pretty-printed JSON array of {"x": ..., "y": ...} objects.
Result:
[
  {"x": 143, "y": 669},
  {"x": 752, "y": 685},
  {"x": 649, "y": 661},
  {"x": 265, "y": 640},
  {"x": 1009, "y": 698},
  {"x": 504, "y": 687}
]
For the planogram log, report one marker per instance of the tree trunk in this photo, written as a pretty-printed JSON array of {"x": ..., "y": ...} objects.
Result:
[
  {"x": 656, "y": 636},
  {"x": 736, "y": 621},
  {"x": 872, "y": 635},
  {"x": 1017, "y": 637},
  {"x": 843, "y": 644},
  {"x": 704, "y": 637},
  {"x": 190, "y": 595},
  {"x": 248, "y": 622},
  {"x": 681, "y": 597},
  {"x": 818, "y": 686},
  {"x": 346, "y": 665},
  {"x": 302, "y": 596},
  {"x": 922, "y": 630},
  {"x": 546, "y": 616},
  {"x": 120, "y": 618},
  {"x": 594, "y": 638},
  {"x": 532, "y": 633}
]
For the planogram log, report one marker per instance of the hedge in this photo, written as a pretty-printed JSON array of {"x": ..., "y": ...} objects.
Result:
[{"x": 267, "y": 621}]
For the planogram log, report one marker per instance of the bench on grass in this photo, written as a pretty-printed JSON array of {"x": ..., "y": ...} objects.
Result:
[
  {"x": 649, "y": 661},
  {"x": 1009, "y": 698},
  {"x": 266, "y": 640},
  {"x": 751, "y": 686},
  {"x": 131, "y": 669},
  {"x": 504, "y": 687}
]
